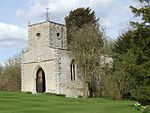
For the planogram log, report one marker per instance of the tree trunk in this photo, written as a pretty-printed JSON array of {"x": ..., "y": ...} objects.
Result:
[
  {"x": 86, "y": 90},
  {"x": 86, "y": 85}
]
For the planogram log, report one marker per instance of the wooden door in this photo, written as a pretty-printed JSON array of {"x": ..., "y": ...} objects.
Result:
[{"x": 40, "y": 81}]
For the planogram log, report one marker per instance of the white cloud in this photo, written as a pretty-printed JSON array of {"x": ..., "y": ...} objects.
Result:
[
  {"x": 2, "y": 64},
  {"x": 56, "y": 7},
  {"x": 111, "y": 12},
  {"x": 12, "y": 35},
  {"x": 105, "y": 22}
]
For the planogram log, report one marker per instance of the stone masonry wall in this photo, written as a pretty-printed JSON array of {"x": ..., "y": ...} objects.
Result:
[
  {"x": 47, "y": 50},
  {"x": 68, "y": 87}
]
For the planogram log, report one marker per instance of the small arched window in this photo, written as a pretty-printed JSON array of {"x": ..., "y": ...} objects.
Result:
[
  {"x": 38, "y": 35},
  {"x": 58, "y": 34},
  {"x": 73, "y": 70}
]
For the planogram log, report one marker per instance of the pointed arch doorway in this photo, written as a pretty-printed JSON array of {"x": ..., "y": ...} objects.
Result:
[{"x": 40, "y": 81}]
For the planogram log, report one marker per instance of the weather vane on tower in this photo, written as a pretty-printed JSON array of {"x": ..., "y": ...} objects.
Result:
[{"x": 47, "y": 14}]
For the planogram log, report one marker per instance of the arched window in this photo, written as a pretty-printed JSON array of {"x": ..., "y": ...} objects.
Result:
[{"x": 73, "y": 70}]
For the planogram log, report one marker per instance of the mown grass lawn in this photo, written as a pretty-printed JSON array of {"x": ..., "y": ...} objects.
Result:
[{"x": 11, "y": 102}]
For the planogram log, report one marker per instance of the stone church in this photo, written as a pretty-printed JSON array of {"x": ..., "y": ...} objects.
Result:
[{"x": 47, "y": 65}]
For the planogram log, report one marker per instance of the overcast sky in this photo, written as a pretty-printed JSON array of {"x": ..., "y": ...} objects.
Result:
[{"x": 15, "y": 14}]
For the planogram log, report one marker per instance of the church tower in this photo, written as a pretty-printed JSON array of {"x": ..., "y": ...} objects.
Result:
[{"x": 47, "y": 34}]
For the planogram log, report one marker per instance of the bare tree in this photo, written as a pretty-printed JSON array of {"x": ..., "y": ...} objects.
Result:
[
  {"x": 1, "y": 68},
  {"x": 87, "y": 47},
  {"x": 11, "y": 77}
]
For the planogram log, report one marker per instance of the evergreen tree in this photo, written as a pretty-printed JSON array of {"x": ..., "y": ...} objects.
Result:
[
  {"x": 132, "y": 51},
  {"x": 77, "y": 19},
  {"x": 85, "y": 41},
  {"x": 141, "y": 48}
]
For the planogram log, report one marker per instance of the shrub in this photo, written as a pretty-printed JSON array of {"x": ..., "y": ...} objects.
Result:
[{"x": 10, "y": 79}]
